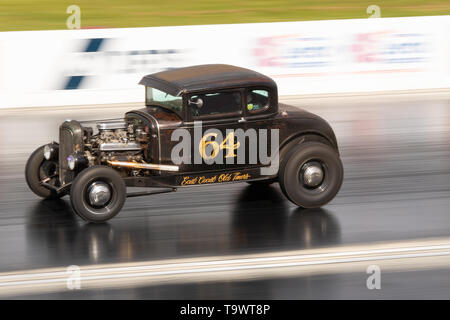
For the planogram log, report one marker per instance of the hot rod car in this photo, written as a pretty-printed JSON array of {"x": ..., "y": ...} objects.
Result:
[{"x": 201, "y": 125}]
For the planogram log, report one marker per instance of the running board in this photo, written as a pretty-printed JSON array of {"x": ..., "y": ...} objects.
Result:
[{"x": 149, "y": 193}]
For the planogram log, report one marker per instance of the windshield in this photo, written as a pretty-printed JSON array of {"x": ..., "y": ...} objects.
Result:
[{"x": 160, "y": 98}]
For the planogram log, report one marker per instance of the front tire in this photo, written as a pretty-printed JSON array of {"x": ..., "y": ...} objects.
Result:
[
  {"x": 311, "y": 174},
  {"x": 98, "y": 193},
  {"x": 38, "y": 169}
]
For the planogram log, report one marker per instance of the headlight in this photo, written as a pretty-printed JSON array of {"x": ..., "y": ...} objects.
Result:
[
  {"x": 50, "y": 151},
  {"x": 71, "y": 162},
  {"x": 75, "y": 161}
]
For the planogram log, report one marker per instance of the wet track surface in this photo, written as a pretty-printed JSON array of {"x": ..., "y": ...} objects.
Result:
[
  {"x": 406, "y": 285},
  {"x": 396, "y": 155}
]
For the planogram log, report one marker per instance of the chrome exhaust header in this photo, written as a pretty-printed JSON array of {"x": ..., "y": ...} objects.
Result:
[{"x": 147, "y": 166}]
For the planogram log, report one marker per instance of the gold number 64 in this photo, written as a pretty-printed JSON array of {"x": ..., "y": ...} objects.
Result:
[{"x": 227, "y": 144}]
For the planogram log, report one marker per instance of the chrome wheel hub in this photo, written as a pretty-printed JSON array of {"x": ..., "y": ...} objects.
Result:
[
  {"x": 99, "y": 193},
  {"x": 312, "y": 174}
]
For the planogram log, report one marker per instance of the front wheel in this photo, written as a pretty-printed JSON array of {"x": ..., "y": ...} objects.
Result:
[
  {"x": 98, "y": 193},
  {"x": 311, "y": 174},
  {"x": 38, "y": 170}
]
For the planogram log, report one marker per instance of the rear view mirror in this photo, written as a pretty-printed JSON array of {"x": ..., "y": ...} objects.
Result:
[{"x": 198, "y": 102}]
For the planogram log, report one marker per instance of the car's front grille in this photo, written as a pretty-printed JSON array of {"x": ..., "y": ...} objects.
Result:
[{"x": 65, "y": 149}]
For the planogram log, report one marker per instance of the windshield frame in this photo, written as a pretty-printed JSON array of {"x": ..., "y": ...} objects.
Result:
[{"x": 176, "y": 107}]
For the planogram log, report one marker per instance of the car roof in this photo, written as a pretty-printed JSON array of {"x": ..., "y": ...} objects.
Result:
[{"x": 205, "y": 77}]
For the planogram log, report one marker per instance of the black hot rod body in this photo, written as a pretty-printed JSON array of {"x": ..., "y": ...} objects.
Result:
[{"x": 200, "y": 125}]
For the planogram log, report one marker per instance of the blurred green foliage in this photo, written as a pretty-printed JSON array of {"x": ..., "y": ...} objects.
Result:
[{"x": 51, "y": 14}]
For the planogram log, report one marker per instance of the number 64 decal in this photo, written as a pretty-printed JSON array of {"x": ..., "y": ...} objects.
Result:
[{"x": 227, "y": 144}]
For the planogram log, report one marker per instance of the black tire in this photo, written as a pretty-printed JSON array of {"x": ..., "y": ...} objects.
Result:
[
  {"x": 79, "y": 196},
  {"x": 37, "y": 169},
  {"x": 291, "y": 179}
]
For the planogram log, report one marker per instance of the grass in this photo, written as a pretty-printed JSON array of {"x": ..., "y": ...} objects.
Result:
[{"x": 51, "y": 14}]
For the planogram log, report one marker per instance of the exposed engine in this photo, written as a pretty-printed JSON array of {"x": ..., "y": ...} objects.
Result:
[
  {"x": 116, "y": 140},
  {"x": 123, "y": 144}
]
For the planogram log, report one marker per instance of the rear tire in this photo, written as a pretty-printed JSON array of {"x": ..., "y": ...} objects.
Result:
[
  {"x": 98, "y": 193},
  {"x": 37, "y": 169},
  {"x": 311, "y": 174}
]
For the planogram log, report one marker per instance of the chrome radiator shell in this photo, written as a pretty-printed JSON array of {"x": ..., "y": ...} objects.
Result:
[{"x": 70, "y": 142}]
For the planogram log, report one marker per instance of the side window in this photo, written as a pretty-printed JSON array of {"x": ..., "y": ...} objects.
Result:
[
  {"x": 219, "y": 103},
  {"x": 257, "y": 100}
]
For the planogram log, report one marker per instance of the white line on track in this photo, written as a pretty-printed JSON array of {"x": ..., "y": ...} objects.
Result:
[{"x": 262, "y": 259}]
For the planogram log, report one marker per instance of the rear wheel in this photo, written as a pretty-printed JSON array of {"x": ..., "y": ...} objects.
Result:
[
  {"x": 38, "y": 170},
  {"x": 311, "y": 174},
  {"x": 98, "y": 193}
]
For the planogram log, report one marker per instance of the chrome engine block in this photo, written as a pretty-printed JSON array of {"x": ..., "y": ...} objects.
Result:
[{"x": 115, "y": 137}]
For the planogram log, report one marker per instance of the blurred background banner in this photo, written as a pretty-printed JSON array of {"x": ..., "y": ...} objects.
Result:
[{"x": 95, "y": 66}]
